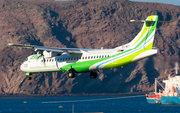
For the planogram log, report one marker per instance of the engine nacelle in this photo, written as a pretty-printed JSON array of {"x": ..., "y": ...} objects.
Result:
[{"x": 50, "y": 54}]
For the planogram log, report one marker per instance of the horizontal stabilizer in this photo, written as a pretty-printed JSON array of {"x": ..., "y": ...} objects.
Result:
[
  {"x": 149, "y": 21},
  {"x": 21, "y": 45},
  {"x": 164, "y": 21},
  {"x": 137, "y": 20}
]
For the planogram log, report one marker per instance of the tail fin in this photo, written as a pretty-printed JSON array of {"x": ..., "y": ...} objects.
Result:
[{"x": 145, "y": 38}]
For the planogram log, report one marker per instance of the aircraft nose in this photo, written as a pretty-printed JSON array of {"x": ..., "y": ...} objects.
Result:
[{"x": 22, "y": 67}]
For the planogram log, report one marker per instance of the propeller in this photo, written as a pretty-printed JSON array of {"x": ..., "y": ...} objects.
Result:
[
  {"x": 42, "y": 55},
  {"x": 176, "y": 67}
]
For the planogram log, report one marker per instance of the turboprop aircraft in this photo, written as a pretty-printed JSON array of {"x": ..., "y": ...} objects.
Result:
[{"x": 76, "y": 60}]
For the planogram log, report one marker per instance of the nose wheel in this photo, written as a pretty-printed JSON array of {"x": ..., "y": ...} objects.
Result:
[{"x": 29, "y": 76}]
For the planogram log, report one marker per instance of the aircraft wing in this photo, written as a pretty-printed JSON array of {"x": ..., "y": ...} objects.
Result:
[{"x": 54, "y": 49}]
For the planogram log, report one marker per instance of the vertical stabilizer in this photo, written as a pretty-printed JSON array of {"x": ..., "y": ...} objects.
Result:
[{"x": 145, "y": 38}]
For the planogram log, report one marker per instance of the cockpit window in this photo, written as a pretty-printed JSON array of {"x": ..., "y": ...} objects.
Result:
[{"x": 26, "y": 59}]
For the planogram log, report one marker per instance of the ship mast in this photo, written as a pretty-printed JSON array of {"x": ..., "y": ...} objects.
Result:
[
  {"x": 155, "y": 85},
  {"x": 176, "y": 67}
]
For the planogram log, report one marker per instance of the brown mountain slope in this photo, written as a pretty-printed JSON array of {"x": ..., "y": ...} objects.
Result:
[{"x": 84, "y": 24}]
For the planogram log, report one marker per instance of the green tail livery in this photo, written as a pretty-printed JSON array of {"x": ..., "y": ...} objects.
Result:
[{"x": 76, "y": 60}]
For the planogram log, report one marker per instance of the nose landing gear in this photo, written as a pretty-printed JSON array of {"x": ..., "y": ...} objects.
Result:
[{"x": 29, "y": 76}]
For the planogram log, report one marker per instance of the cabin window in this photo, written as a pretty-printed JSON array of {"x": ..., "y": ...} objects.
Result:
[
  {"x": 103, "y": 56},
  {"x": 49, "y": 60},
  {"x": 82, "y": 57},
  {"x": 41, "y": 60},
  {"x": 52, "y": 60},
  {"x": 108, "y": 56},
  {"x": 89, "y": 57},
  {"x": 62, "y": 59},
  {"x": 77, "y": 58},
  {"x": 71, "y": 58},
  {"x": 85, "y": 57},
  {"x": 66, "y": 59},
  {"x": 94, "y": 57},
  {"x": 99, "y": 56}
]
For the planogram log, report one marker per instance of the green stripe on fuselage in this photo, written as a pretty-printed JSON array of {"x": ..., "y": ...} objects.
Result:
[
  {"x": 85, "y": 65},
  {"x": 81, "y": 66},
  {"x": 124, "y": 61}
]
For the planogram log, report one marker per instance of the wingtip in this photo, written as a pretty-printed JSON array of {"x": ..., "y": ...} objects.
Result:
[
  {"x": 10, "y": 44},
  {"x": 132, "y": 20}
]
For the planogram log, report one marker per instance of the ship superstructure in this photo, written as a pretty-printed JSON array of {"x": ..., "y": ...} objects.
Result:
[{"x": 170, "y": 93}]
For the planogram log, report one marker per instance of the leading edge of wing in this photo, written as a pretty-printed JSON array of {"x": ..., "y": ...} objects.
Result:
[{"x": 54, "y": 49}]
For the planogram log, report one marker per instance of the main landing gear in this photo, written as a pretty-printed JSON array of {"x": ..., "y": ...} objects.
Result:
[
  {"x": 93, "y": 74},
  {"x": 71, "y": 73}
]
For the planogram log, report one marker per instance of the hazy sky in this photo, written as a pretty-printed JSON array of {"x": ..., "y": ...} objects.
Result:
[{"x": 173, "y": 2}]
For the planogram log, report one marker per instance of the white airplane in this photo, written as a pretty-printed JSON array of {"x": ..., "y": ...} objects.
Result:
[{"x": 76, "y": 60}]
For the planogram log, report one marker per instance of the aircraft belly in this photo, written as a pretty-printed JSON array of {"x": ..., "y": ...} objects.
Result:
[
  {"x": 38, "y": 67},
  {"x": 145, "y": 54},
  {"x": 42, "y": 68}
]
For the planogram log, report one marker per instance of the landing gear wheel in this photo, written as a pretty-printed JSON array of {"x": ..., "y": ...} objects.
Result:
[
  {"x": 71, "y": 73},
  {"x": 93, "y": 74},
  {"x": 29, "y": 78}
]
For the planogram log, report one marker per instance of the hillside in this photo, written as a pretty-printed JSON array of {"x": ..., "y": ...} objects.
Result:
[{"x": 84, "y": 24}]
